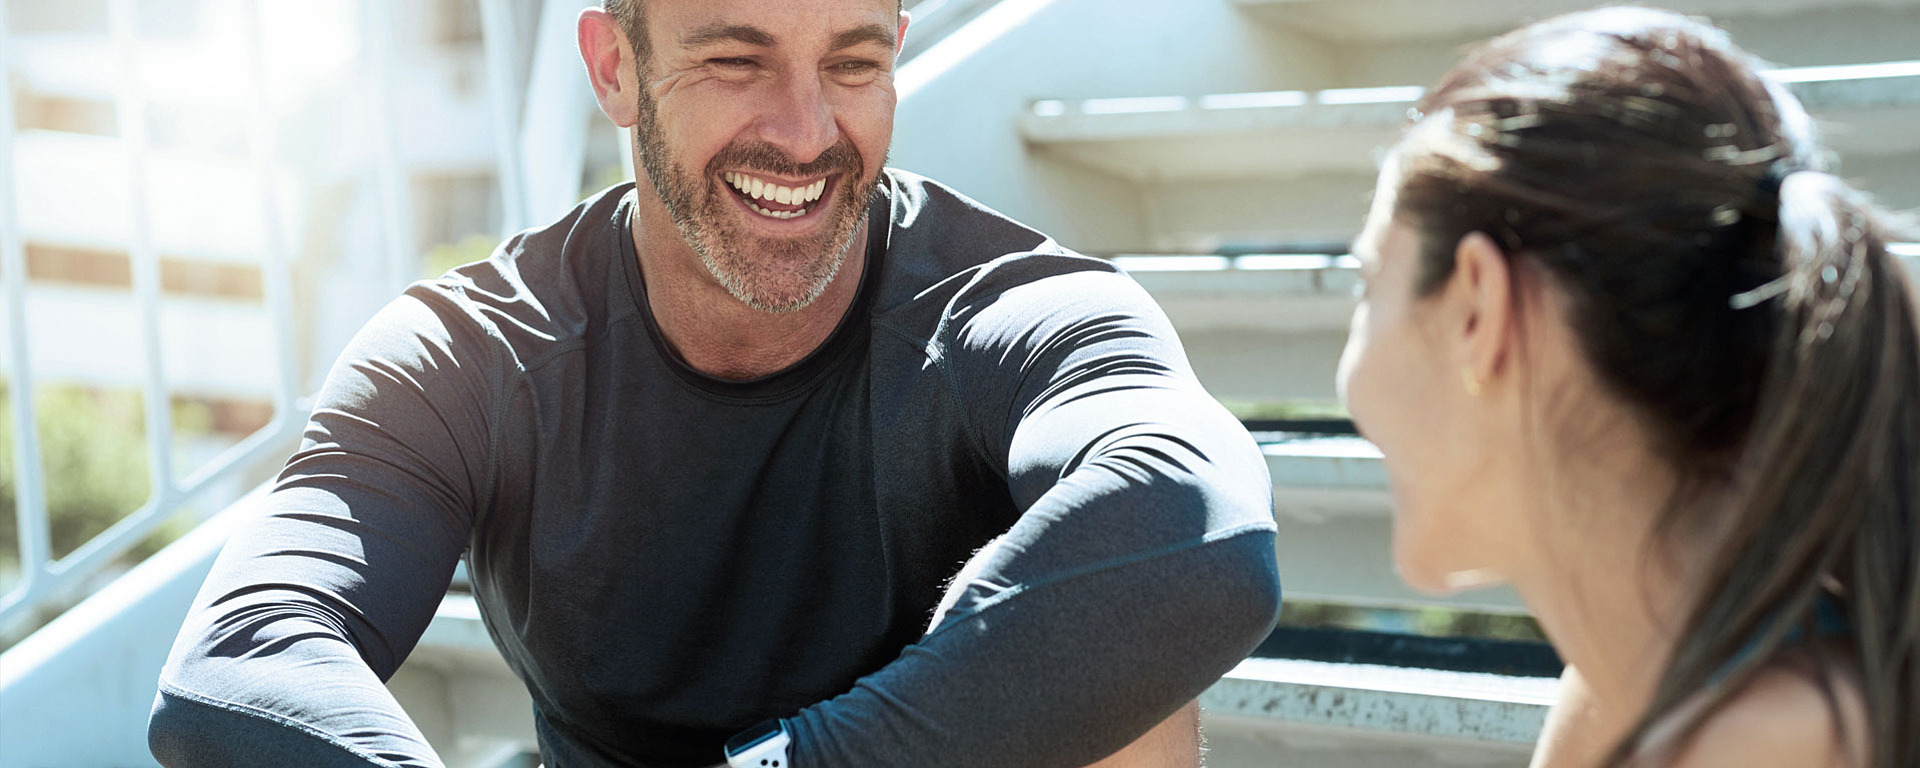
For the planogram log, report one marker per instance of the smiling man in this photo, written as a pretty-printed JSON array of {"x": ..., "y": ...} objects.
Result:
[{"x": 714, "y": 445}]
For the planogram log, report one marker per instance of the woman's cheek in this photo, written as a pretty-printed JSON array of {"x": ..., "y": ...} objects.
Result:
[{"x": 1350, "y": 359}]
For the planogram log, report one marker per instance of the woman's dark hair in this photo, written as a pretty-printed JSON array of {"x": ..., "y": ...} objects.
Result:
[{"x": 1741, "y": 301}]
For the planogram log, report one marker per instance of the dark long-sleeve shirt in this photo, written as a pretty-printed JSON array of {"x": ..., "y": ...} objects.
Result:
[{"x": 665, "y": 558}]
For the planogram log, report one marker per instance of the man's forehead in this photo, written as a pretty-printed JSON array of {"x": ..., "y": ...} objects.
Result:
[{"x": 776, "y": 19}]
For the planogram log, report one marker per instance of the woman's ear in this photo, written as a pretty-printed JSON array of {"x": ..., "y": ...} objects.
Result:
[{"x": 1484, "y": 326}]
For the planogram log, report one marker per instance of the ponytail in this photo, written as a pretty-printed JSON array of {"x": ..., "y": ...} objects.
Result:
[{"x": 1825, "y": 503}]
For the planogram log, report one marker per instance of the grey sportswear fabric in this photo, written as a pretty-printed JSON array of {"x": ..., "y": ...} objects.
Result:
[{"x": 665, "y": 558}]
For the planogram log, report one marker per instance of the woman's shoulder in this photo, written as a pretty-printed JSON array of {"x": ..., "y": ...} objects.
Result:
[{"x": 1785, "y": 717}]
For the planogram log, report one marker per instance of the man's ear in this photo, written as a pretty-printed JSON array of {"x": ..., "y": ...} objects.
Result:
[
  {"x": 1483, "y": 282},
  {"x": 900, "y": 35},
  {"x": 609, "y": 59}
]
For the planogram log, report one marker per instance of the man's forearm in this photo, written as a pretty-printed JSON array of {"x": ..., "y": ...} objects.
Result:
[{"x": 1058, "y": 675}]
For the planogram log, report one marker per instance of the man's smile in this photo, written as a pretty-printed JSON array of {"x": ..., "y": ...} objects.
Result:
[{"x": 775, "y": 198}]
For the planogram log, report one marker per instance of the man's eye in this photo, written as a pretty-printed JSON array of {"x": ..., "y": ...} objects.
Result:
[
  {"x": 856, "y": 67},
  {"x": 731, "y": 62}
]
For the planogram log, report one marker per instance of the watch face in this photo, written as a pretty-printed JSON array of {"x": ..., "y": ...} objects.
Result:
[{"x": 754, "y": 736}]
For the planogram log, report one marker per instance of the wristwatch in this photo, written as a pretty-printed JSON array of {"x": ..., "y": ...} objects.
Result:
[{"x": 762, "y": 746}]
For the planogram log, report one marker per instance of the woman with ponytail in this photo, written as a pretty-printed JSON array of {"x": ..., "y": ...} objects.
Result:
[{"x": 1626, "y": 346}]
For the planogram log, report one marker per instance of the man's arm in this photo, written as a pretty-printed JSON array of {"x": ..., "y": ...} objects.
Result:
[
  {"x": 314, "y": 604},
  {"x": 1141, "y": 568}
]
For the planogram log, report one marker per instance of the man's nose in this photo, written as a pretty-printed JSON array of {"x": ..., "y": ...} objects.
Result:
[{"x": 799, "y": 120}]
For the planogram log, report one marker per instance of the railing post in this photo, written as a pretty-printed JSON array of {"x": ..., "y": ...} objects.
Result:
[
  {"x": 498, "y": 39},
  {"x": 131, "y": 108},
  {"x": 30, "y": 500},
  {"x": 395, "y": 202},
  {"x": 553, "y": 130},
  {"x": 276, "y": 265},
  {"x": 50, "y": 580}
]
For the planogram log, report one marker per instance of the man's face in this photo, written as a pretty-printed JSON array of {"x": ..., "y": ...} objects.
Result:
[{"x": 763, "y": 127}]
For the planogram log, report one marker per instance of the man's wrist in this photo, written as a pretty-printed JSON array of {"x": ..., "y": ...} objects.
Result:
[{"x": 765, "y": 745}]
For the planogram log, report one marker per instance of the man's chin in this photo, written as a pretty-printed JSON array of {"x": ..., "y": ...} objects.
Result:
[
  {"x": 779, "y": 305},
  {"x": 777, "y": 291}
]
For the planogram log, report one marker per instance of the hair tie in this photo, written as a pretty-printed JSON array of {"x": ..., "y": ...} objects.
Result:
[
  {"x": 1768, "y": 189},
  {"x": 1776, "y": 176}
]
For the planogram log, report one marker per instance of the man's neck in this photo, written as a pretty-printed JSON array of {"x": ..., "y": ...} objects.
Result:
[{"x": 716, "y": 333}]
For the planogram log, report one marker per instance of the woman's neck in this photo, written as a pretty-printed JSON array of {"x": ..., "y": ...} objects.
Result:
[{"x": 1606, "y": 592}]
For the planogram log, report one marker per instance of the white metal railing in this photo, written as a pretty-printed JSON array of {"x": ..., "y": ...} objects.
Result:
[{"x": 43, "y": 579}]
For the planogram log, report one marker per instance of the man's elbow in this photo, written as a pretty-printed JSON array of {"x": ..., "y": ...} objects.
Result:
[
  {"x": 1248, "y": 589},
  {"x": 178, "y": 731}
]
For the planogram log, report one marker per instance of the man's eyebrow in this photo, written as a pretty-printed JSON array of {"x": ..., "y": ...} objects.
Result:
[
  {"x": 721, "y": 32},
  {"x": 865, "y": 33}
]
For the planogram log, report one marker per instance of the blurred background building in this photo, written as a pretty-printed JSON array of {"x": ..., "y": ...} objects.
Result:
[{"x": 201, "y": 200}]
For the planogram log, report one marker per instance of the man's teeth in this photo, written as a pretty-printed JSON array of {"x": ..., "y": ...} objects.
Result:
[{"x": 760, "y": 189}]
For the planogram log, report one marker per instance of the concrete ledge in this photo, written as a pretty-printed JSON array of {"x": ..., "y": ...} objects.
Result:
[
  {"x": 1259, "y": 135},
  {"x": 1315, "y": 478},
  {"x": 1419, "y": 702},
  {"x": 1280, "y": 293}
]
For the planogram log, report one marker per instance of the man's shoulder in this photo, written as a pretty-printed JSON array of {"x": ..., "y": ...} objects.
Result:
[
  {"x": 545, "y": 285},
  {"x": 943, "y": 245}
]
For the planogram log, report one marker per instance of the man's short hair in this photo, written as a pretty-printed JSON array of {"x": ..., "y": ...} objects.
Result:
[{"x": 627, "y": 13}]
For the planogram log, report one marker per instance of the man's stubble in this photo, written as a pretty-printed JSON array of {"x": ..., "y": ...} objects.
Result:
[{"x": 769, "y": 274}]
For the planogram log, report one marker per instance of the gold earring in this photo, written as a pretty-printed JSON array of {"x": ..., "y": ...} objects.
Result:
[{"x": 1471, "y": 381}]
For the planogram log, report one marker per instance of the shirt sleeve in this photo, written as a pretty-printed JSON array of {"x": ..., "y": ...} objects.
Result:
[
  {"x": 315, "y": 602},
  {"x": 1140, "y": 570}
]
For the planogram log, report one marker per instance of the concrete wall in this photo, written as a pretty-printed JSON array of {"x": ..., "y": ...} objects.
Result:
[{"x": 1204, "y": 215}]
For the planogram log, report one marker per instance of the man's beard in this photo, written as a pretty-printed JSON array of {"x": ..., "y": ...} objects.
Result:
[{"x": 770, "y": 274}]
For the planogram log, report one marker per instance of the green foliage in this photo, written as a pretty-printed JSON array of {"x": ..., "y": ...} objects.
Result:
[
  {"x": 93, "y": 454},
  {"x": 1431, "y": 621},
  {"x": 446, "y": 256},
  {"x": 601, "y": 178},
  {"x": 1499, "y": 626}
]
